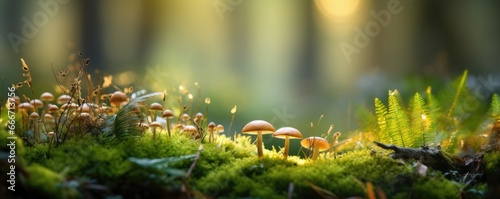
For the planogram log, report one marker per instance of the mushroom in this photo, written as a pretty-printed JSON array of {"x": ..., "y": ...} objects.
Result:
[
  {"x": 316, "y": 143},
  {"x": 220, "y": 128},
  {"x": 167, "y": 114},
  {"x": 154, "y": 125},
  {"x": 63, "y": 99},
  {"x": 211, "y": 127},
  {"x": 185, "y": 117},
  {"x": 193, "y": 132},
  {"x": 287, "y": 133},
  {"x": 155, "y": 107},
  {"x": 34, "y": 117},
  {"x": 258, "y": 127},
  {"x": 47, "y": 97},
  {"x": 37, "y": 103},
  {"x": 117, "y": 98},
  {"x": 199, "y": 116}
]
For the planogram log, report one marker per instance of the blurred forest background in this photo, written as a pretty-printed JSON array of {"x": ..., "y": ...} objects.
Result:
[{"x": 282, "y": 61}]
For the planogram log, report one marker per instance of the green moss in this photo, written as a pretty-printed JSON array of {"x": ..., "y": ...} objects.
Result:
[
  {"x": 43, "y": 180},
  {"x": 438, "y": 188}
]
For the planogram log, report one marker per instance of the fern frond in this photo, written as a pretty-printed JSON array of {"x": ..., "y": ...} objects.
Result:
[
  {"x": 463, "y": 80},
  {"x": 420, "y": 120},
  {"x": 381, "y": 113},
  {"x": 126, "y": 122},
  {"x": 495, "y": 107},
  {"x": 398, "y": 122},
  {"x": 366, "y": 120}
]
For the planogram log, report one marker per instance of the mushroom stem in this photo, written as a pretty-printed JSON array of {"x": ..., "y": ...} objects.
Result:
[
  {"x": 285, "y": 153},
  {"x": 211, "y": 136},
  {"x": 315, "y": 152},
  {"x": 168, "y": 127},
  {"x": 259, "y": 144},
  {"x": 153, "y": 119}
]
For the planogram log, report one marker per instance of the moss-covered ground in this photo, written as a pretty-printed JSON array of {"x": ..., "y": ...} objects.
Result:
[{"x": 142, "y": 167}]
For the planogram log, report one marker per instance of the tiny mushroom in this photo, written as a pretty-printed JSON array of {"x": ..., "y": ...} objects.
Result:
[
  {"x": 63, "y": 99},
  {"x": 211, "y": 127},
  {"x": 287, "y": 133},
  {"x": 154, "y": 125},
  {"x": 117, "y": 98},
  {"x": 258, "y": 127},
  {"x": 220, "y": 129},
  {"x": 37, "y": 103},
  {"x": 167, "y": 114},
  {"x": 155, "y": 107},
  {"x": 199, "y": 116},
  {"x": 316, "y": 143},
  {"x": 191, "y": 131},
  {"x": 47, "y": 97}
]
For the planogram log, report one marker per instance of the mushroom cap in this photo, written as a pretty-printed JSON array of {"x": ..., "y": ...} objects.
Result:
[
  {"x": 211, "y": 125},
  {"x": 220, "y": 128},
  {"x": 155, "y": 124},
  {"x": 185, "y": 116},
  {"x": 256, "y": 126},
  {"x": 156, "y": 106},
  {"x": 50, "y": 133},
  {"x": 198, "y": 116},
  {"x": 84, "y": 108},
  {"x": 167, "y": 114},
  {"x": 36, "y": 102},
  {"x": 26, "y": 106},
  {"x": 63, "y": 99},
  {"x": 48, "y": 117},
  {"x": 315, "y": 142},
  {"x": 190, "y": 128},
  {"x": 34, "y": 116},
  {"x": 291, "y": 132},
  {"x": 47, "y": 97},
  {"x": 53, "y": 108},
  {"x": 117, "y": 98}
]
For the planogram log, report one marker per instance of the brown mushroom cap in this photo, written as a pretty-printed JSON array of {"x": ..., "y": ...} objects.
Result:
[
  {"x": 47, "y": 97},
  {"x": 167, "y": 114},
  {"x": 291, "y": 132},
  {"x": 37, "y": 103},
  {"x": 26, "y": 106},
  {"x": 63, "y": 99},
  {"x": 185, "y": 116},
  {"x": 211, "y": 125},
  {"x": 190, "y": 128},
  {"x": 220, "y": 128},
  {"x": 198, "y": 116},
  {"x": 156, "y": 106},
  {"x": 319, "y": 142},
  {"x": 256, "y": 126},
  {"x": 53, "y": 108},
  {"x": 34, "y": 116},
  {"x": 117, "y": 98},
  {"x": 155, "y": 124}
]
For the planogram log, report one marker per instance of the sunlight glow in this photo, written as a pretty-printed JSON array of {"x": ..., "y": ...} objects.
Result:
[{"x": 335, "y": 9}]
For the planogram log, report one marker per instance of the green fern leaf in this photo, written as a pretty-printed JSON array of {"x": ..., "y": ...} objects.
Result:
[
  {"x": 420, "y": 122},
  {"x": 398, "y": 122},
  {"x": 125, "y": 123},
  {"x": 366, "y": 120},
  {"x": 495, "y": 107},
  {"x": 381, "y": 113}
]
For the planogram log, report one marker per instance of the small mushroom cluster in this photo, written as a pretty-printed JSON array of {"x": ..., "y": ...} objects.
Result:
[{"x": 260, "y": 127}]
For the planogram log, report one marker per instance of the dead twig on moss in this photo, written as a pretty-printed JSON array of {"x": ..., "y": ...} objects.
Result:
[{"x": 432, "y": 157}]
